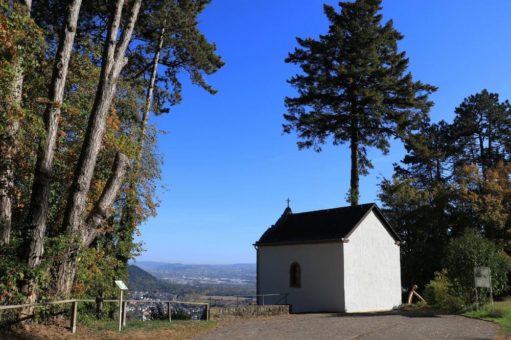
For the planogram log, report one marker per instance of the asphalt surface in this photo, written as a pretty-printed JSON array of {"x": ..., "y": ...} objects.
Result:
[{"x": 356, "y": 326}]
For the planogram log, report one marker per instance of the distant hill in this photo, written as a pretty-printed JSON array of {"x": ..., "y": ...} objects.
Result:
[
  {"x": 188, "y": 279},
  {"x": 159, "y": 266},
  {"x": 231, "y": 274},
  {"x": 140, "y": 280}
]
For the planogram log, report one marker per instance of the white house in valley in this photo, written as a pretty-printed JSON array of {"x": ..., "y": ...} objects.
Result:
[{"x": 336, "y": 260}]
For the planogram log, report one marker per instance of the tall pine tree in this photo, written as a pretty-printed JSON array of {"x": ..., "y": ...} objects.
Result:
[
  {"x": 481, "y": 130},
  {"x": 354, "y": 87}
]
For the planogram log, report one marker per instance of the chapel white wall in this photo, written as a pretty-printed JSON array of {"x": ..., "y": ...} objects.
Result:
[
  {"x": 372, "y": 269},
  {"x": 321, "y": 275}
]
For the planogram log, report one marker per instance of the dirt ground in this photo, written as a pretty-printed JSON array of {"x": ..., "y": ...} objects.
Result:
[
  {"x": 359, "y": 326},
  {"x": 402, "y": 325}
]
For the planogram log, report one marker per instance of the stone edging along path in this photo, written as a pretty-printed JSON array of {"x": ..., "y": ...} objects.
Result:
[{"x": 248, "y": 311}]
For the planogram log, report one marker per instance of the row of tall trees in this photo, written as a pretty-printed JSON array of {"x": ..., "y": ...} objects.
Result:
[
  {"x": 79, "y": 166},
  {"x": 354, "y": 88},
  {"x": 455, "y": 177}
]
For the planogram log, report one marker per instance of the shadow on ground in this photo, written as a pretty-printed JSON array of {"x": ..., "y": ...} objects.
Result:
[{"x": 410, "y": 313}]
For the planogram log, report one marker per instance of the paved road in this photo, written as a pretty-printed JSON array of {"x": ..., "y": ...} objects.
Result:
[{"x": 360, "y": 326}]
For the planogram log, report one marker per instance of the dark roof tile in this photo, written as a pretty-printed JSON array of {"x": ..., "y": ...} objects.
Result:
[{"x": 320, "y": 225}]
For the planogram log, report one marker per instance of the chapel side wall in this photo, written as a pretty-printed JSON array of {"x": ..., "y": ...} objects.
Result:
[
  {"x": 321, "y": 275},
  {"x": 372, "y": 268}
]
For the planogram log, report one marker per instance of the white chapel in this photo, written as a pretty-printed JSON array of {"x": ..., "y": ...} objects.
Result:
[{"x": 336, "y": 260}]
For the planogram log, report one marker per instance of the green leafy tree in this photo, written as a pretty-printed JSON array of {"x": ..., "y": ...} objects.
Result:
[
  {"x": 167, "y": 28},
  {"x": 21, "y": 48},
  {"x": 482, "y": 201},
  {"x": 455, "y": 176},
  {"x": 429, "y": 155},
  {"x": 473, "y": 250},
  {"x": 481, "y": 130},
  {"x": 419, "y": 216},
  {"x": 354, "y": 87},
  {"x": 418, "y": 199}
]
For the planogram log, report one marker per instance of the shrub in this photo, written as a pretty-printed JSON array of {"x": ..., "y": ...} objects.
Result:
[
  {"x": 439, "y": 294},
  {"x": 158, "y": 312},
  {"x": 473, "y": 250},
  {"x": 437, "y": 288},
  {"x": 452, "y": 304}
]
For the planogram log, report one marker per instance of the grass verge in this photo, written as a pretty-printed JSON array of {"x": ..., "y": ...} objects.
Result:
[
  {"x": 501, "y": 314},
  {"x": 153, "y": 329},
  {"x": 109, "y": 330}
]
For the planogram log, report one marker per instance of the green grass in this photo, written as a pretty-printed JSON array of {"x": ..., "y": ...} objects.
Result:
[
  {"x": 147, "y": 325},
  {"x": 501, "y": 314},
  {"x": 179, "y": 329}
]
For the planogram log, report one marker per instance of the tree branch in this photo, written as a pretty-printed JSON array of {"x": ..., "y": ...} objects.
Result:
[{"x": 101, "y": 211}]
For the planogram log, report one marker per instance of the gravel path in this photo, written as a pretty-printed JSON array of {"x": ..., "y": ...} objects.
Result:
[{"x": 360, "y": 326}]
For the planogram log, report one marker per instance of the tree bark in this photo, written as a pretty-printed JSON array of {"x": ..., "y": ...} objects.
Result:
[
  {"x": 38, "y": 211},
  {"x": 152, "y": 82},
  {"x": 438, "y": 170},
  {"x": 41, "y": 187},
  {"x": 129, "y": 210},
  {"x": 354, "y": 145},
  {"x": 113, "y": 62},
  {"x": 101, "y": 211},
  {"x": 7, "y": 177},
  {"x": 28, "y": 4},
  {"x": 482, "y": 154},
  {"x": 354, "y": 180},
  {"x": 96, "y": 218}
]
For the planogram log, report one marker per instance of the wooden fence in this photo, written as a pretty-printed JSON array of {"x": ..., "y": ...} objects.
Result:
[{"x": 74, "y": 307}]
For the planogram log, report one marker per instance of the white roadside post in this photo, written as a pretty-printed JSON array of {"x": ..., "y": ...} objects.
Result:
[{"x": 122, "y": 286}]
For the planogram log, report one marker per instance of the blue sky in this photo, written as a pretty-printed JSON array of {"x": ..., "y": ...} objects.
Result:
[{"x": 229, "y": 169}]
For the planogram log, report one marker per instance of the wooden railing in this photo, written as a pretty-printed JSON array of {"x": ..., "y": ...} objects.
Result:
[{"x": 74, "y": 307}]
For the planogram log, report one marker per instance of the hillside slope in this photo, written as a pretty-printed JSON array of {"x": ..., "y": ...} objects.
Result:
[{"x": 140, "y": 280}]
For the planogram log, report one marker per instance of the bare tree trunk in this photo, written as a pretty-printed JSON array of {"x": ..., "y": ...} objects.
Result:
[
  {"x": 5, "y": 204},
  {"x": 129, "y": 214},
  {"x": 7, "y": 175},
  {"x": 97, "y": 217},
  {"x": 41, "y": 187},
  {"x": 113, "y": 62},
  {"x": 354, "y": 193},
  {"x": 354, "y": 180},
  {"x": 101, "y": 211},
  {"x": 43, "y": 172},
  {"x": 129, "y": 209},
  {"x": 152, "y": 82}
]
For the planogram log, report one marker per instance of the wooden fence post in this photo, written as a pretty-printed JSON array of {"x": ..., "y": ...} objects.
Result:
[
  {"x": 170, "y": 311},
  {"x": 99, "y": 307},
  {"x": 207, "y": 312},
  {"x": 74, "y": 314}
]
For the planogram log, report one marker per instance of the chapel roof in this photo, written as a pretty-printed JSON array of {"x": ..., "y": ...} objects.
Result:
[{"x": 320, "y": 225}]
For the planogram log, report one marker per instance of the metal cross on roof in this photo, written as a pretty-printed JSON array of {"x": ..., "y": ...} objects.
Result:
[{"x": 288, "y": 200}]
